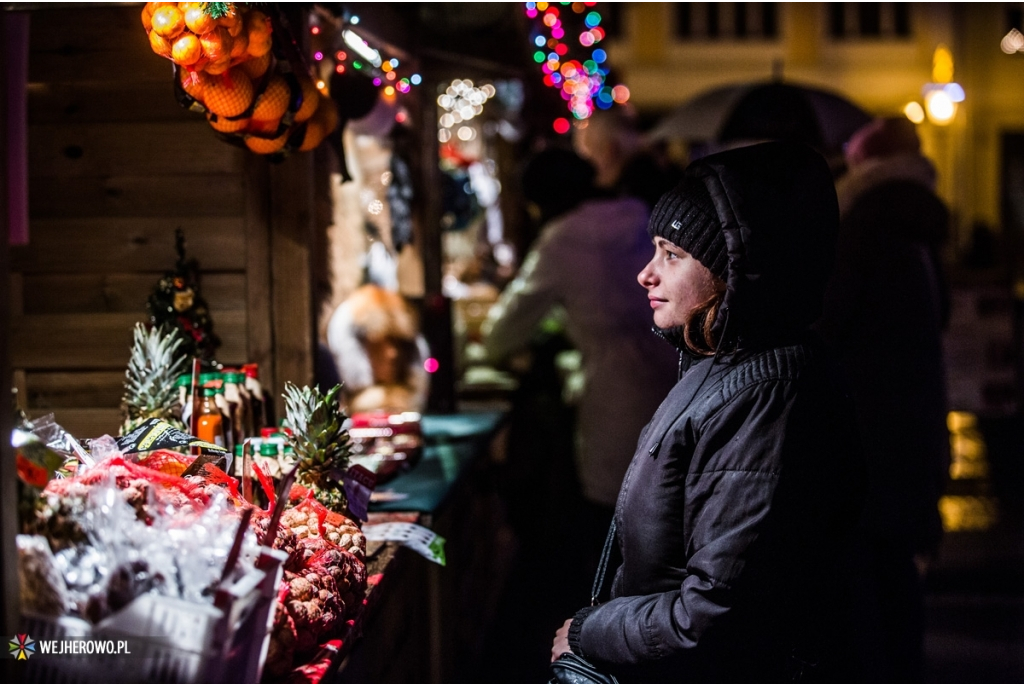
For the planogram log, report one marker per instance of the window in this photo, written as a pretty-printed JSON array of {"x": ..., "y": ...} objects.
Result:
[
  {"x": 725, "y": 20},
  {"x": 881, "y": 20}
]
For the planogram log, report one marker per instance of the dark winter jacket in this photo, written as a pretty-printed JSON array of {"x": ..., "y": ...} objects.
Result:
[
  {"x": 746, "y": 481},
  {"x": 885, "y": 310}
]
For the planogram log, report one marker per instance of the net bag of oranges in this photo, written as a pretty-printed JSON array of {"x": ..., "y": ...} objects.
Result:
[{"x": 231, "y": 64}]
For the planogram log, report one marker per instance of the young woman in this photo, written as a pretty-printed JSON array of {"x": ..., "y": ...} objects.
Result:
[{"x": 733, "y": 515}]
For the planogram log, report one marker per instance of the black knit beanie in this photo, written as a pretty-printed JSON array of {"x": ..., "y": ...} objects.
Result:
[{"x": 686, "y": 216}]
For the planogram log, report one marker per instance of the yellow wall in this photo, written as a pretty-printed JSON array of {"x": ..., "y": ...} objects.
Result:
[{"x": 879, "y": 75}]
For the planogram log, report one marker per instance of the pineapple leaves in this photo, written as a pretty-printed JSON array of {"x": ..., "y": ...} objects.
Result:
[
  {"x": 321, "y": 443},
  {"x": 157, "y": 358}
]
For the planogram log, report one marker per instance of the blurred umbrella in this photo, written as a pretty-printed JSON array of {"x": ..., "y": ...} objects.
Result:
[{"x": 768, "y": 110}]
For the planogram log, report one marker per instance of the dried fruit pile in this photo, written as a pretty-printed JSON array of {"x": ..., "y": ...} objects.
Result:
[{"x": 228, "y": 70}]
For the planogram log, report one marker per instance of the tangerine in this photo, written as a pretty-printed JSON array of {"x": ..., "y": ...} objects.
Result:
[
  {"x": 257, "y": 22},
  {"x": 259, "y": 45},
  {"x": 266, "y": 146},
  {"x": 197, "y": 20},
  {"x": 160, "y": 45},
  {"x": 229, "y": 94},
  {"x": 310, "y": 99},
  {"x": 233, "y": 23},
  {"x": 187, "y": 50},
  {"x": 226, "y": 125},
  {"x": 219, "y": 66},
  {"x": 256, "y": 66},
  {"x": 217, "y": 43},
  {"x": 240, "y": 46},
  {"x": 314, "y": 135},
  {"x": 168, "y": 21}
]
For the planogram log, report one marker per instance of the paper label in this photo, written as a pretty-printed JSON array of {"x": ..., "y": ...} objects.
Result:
[
  {"x": 155, "y": 434},
  {"x": 416, "y": 537},
  {"x": 359, "y": 484}
]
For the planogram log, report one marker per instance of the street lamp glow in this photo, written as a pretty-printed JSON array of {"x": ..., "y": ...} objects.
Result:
[
  {"x": 940, "y": 107},
  {"x": 914, "y": 112}
]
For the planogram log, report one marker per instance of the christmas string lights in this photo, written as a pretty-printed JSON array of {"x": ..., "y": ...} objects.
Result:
[
  {"x": 358, "y": 54},
  {"x": 582, "y": 84}
]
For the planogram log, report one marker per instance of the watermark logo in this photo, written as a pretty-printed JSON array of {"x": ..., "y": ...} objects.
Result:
[{"x": 22, "y": 647}]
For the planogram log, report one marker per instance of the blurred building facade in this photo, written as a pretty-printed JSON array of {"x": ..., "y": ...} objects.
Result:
[{"x": 879, "y": 55}]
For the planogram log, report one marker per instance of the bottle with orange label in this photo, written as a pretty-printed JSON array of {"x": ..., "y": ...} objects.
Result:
[{"x": 211, "y": 421}]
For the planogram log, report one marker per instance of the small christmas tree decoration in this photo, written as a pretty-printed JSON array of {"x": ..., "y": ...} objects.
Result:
[
  {"x": 218, "y": 9},
  {"x": 322, "y": 446},
  {"x": 177, "y": 303},
  {"x": 156, "y": 361}
]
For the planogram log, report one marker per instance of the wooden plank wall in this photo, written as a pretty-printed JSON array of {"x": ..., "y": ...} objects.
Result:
[{"x": 115, "y": 166}]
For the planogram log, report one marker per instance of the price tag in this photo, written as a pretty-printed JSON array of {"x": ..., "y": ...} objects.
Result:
[
  {"x": 419, "y": 539},
  {"x": 359, "y": 484}
]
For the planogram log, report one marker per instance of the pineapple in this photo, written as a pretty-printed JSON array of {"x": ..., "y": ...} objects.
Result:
[
  {"x": 322, "y": 446},
  {"x": 156, "y": 361}
]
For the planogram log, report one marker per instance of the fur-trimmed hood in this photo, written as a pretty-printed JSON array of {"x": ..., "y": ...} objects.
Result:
[{"x": 873, "y": 172}]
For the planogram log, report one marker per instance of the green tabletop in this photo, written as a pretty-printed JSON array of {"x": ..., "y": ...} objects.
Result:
[{"x": 452, "y": 442}]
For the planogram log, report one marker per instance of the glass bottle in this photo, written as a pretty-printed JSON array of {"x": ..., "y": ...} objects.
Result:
[
  {"x": 237, "y": 397},
  {"x": 211, "y": 421},
  {"x": 252, "y": 384},
  {"x": 225, "y": 410}
]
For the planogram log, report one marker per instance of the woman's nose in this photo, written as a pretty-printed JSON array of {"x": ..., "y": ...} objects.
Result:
[{"x": 646, "y": 276}]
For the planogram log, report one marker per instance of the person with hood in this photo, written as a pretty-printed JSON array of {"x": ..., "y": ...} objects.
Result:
[
  {"x": 742, "y": 493},
  {"x": 885, "y": 311},
  {"x": 582, "y": 266}
]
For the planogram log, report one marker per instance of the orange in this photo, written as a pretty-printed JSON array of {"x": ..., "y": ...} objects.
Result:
[
  {"x": 226, "y": 125},
  {"x": 310, "y": 99},
  {"x": 193, "y": 83},
  {"x": 258, "y": 26},
  {"x": 160, "y": 45},
  {"x": 257, "y": 22},
  {"x": 323, "y": 123},
  {"x": 186, "y": 51},
  {"x": 168, "y": 22},
  {"x": 198, "y": 21},
  {"x": 327, "y": 115},
  {"x": 228, "y": 95},
  {"x": 217, "y": 44},
  {"x": 314, "y": 135},
  {"x": 266, "y": 146},
  {"x": 256, "y": 66},
  {"x": 273, "y": 103},
  {"x": 259, "y": 45},
  {"x": 147, "y": 18}
]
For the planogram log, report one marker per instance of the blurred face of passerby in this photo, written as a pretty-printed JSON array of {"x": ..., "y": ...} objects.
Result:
[{"x": 676, "y": 283}]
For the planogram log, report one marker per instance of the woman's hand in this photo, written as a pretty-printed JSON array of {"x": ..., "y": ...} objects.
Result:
[{"x": 561, "y": 643}]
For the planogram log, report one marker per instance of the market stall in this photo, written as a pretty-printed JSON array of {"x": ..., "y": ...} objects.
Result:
[{"x": 188, "y": 192}]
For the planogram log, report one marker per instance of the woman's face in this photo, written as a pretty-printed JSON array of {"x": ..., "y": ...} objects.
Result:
[{"x": 676, "y": 284}]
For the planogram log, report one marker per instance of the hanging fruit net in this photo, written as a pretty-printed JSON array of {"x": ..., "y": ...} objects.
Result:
[{"x": 233, "y": 64}]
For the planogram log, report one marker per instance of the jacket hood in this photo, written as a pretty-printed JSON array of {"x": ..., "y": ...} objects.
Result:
[{"x": 778, "y": 210}]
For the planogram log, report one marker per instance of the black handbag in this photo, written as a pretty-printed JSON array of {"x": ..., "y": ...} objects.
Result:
[{"x": 572, "y": 668}]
